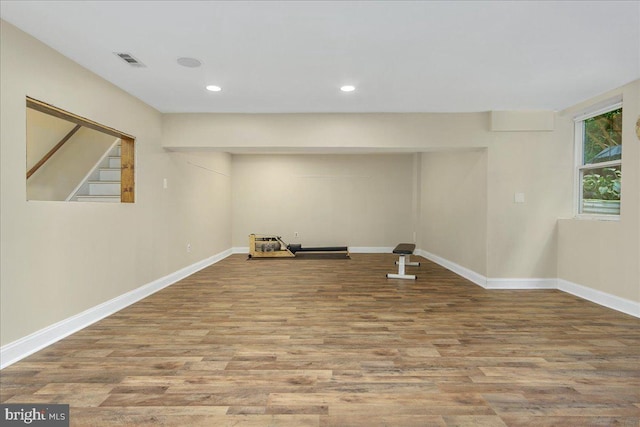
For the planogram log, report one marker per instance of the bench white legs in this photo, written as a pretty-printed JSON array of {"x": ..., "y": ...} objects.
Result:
[
  {"x": 408, "y": 262},
  {"x": 402, "y": 262},
  {"x": 404, "y": 250}
]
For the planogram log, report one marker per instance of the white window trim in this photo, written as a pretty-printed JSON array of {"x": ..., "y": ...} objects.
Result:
[
  {"x": 579, "y": 167},
  {"x": 613, "y": 104}
]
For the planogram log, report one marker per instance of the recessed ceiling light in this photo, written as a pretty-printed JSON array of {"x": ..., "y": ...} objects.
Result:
[
  {"x": 348, "y": 88},
  {"x": 189, "y": 62},
  {"x": 214, "y": 88}
]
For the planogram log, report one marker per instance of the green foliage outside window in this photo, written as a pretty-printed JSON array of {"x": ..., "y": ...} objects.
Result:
[
  {"x": 602, "y": 184},
  {"x": 601, "y": 134},
  {"x": 601, "y": 168}
]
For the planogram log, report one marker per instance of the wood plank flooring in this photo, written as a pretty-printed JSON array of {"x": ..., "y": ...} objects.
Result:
[{"x": 332, "y": 342}]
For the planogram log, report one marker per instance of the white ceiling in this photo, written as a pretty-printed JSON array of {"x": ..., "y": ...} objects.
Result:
[{"x": 286, "y": 56}]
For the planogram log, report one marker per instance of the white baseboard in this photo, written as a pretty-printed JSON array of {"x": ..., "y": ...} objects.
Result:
[
  {"x": 353, "y": 249},
  {"x": 371, "y": 249},
  {"x": 611, "y": 301},
  {"x": 471, "y": 275},
  {"x": 518, "y": 283},
  {"x": 602, "y": 298},
  {"x": 18, "y": 350}
]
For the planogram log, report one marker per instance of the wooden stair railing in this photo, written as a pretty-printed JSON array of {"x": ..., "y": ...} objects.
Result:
[
  {"x": 52, "y": 151},
  {"x": 49, "y": 109}
]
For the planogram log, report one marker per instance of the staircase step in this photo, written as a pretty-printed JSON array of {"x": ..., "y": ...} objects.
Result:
[
  {"x": 114, "y": 162},
  {"x": 109, "y": 174},
  {"x": 104, "y": 188},
  {"x": 105, "y": 199}
]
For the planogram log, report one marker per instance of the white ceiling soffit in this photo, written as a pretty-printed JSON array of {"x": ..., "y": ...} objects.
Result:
[{"x": 286, "y": 56}]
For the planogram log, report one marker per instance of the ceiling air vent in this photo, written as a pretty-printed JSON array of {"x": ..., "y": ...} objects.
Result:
[{"x": 129, "y": 59}]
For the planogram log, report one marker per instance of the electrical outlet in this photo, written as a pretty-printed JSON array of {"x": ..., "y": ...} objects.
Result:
[{"x": 189, "y": 247}]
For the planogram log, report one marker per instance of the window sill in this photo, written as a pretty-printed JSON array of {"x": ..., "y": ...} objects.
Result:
[{"x": 587, "y": 217}]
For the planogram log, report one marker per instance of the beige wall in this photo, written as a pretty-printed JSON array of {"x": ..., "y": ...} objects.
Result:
[
  {"x": 330, "y": 200},
  {"x": 326, "y": 132},
  {"x": 58, "y": 259},
  {"x": 453, "y": 209},
  {"x": 521, "y": 238},
  {"x": 605, "y": 255},
  {"x": 198, "y": 206},
  {"x": 43, "y": 133}
]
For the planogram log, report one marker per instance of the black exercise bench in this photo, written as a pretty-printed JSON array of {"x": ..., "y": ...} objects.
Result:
[{"x": 405, "y": 250}]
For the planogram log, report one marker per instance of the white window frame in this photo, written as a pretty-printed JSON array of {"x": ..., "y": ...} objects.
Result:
[{"x": 580, "y": 167}]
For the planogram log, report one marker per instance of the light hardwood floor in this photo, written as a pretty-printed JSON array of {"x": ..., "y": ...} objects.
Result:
[{"x": 309, "y": 342}]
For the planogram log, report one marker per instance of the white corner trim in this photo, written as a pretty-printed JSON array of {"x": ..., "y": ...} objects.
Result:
[
  {"x": 611, "y": 301},
  {"x": 519, "y": 283},
  {"x": 471, "y": 275},
  {"x": 23, "y": 347}
]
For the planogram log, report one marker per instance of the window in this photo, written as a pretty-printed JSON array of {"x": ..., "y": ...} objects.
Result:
[{"x": 599, "y": 161}]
